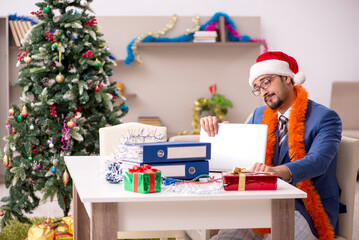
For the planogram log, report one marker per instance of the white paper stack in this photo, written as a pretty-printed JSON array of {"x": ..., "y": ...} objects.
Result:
[{"x": 205, "y": 36}]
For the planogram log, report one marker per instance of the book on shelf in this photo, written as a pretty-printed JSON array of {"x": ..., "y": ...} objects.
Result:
[
  {"x": 154, "y": 121},
  {"x": 205, "y": 37},
  {"x": 205, "y": 34},
  {"x": 18, "y": 29},
  {"x": 204, "y": 40}
]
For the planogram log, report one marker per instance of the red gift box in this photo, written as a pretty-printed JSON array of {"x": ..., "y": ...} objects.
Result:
[{"x": 249, "y": 181}]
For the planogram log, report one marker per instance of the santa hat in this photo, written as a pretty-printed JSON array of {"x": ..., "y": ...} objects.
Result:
[{"x": 276, "y": 63}]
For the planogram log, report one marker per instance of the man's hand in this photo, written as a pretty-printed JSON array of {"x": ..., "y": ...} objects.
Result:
[
  {"x": 210, "y": 125},
  {"x": 281, "y": 171}
]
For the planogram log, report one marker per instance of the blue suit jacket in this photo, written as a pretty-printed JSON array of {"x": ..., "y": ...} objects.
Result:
[{"x": 323, "y": 129}]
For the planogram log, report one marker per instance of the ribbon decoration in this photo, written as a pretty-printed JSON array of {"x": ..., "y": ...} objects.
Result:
[
  {"x": 66, "y": 131},
  {"x": 145, "y": 168},
  {"x": 242, "y": 178}
]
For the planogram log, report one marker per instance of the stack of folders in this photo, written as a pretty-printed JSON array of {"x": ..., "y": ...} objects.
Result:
[
  {"x": 205, "y": 36},
  {"x": 182, "y": 160}
]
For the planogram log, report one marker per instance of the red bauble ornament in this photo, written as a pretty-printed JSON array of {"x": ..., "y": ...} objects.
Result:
[
  {"x": 13, "y": 131},
  {"x": 1, "y": 214}
]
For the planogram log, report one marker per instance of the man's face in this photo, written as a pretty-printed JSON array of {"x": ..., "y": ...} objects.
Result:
[{"x": 276, "y": 93}]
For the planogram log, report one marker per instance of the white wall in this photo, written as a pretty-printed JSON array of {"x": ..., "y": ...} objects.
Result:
[{"x": 321, "y": 34}]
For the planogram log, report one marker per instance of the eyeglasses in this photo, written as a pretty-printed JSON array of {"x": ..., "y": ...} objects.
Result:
[{"x": 266, "y": 82}]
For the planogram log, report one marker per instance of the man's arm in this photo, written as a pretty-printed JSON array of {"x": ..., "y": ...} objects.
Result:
[{"x": 323, "y": 149}]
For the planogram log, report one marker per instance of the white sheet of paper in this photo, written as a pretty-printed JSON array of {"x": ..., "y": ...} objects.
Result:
[{"x": 236, "y": 145}]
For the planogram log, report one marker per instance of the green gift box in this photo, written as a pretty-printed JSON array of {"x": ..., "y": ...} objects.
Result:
[{"x": 143, "y": 179}]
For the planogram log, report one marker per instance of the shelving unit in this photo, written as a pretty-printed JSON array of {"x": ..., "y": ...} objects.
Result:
[{"x": 175, "y": 74}]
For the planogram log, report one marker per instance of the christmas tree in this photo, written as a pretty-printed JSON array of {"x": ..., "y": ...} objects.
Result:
[{"x": 66, "y": 97}]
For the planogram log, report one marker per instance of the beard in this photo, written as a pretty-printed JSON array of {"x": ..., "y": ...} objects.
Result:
[{"x": 273, "y": 104}]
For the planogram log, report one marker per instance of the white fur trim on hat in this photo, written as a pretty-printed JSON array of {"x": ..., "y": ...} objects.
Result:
[
  {"x": 270, "y": 67},
  {"x": 299, "y": 78}
]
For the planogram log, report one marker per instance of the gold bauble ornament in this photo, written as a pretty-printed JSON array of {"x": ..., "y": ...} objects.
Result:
[
  {"x": 60, "y": 78},
  {"x": 65, "y": 178},
  {"x": 70, "y": 124},
  {"x": 120, "y": 87},
  {"x": 5, "y": 160},
  {"x": 11, "y": 112},
  {"x": 27, "y": 60}
]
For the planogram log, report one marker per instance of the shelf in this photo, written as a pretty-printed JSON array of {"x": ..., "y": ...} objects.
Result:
[{"x": 192, "y": 44}]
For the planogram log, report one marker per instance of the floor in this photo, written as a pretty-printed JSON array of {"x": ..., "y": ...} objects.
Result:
[{"x": 51, "y": 209}]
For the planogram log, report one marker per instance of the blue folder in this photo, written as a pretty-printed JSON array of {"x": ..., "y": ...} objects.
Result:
[
  {"x": 167, "y": 152},
  {"x": 179, "y": 170}
]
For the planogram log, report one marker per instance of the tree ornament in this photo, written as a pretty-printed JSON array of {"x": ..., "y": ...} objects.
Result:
[
  {"x": 13, "y": 148},
  {"x": 29, "y": 159},
  {"x": 11, "y": 112},
  {"x": 54, "y": 46},
  {"x": 78, "y": 115},
  {"x": 97, "y": 63},
  {"x": 60, "y": 78},
  {"x": 101, "y": 45},
  {"x": 65, "y": 178},
  {"x": 20, "y": 118},
  {"x": 97, "y": 89},
  {"x": 1, "y": 214},
  {"x": 70, "y": 124},
  {"x": 5, "y": 160},
  {"x": 83, "y": 3},
  {"x": 51, "y": 145},
  {"x": 24, "y": 112},
  {"x": 31, "y": 127},
  {"x": 53, "y": 170},
  {"x": 124, "y": 108},
  {"x": 47, "y": 10},
  {"x": 13, "y": 131},
  {"x": 27, "y": 60},
  {"x": 8, "y": 126},
  {"x": 110, "y": 74},
  {"x": 39, "y": 166}
]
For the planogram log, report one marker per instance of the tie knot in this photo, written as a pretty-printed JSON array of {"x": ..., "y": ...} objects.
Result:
[{"x": 283, "y": 120}]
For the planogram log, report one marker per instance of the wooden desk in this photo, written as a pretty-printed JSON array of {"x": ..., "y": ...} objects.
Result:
[{"x": 109, "y": 208}]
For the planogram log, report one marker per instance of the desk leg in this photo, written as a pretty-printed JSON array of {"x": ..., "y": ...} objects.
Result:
[
  {"x": 283, "y": 219},
  {"x": 104, "y": 222},
  {"x": 81, "y": 218}
]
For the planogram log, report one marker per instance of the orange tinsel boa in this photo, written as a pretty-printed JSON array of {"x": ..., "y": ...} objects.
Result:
[{"x": 296, "y": 131}]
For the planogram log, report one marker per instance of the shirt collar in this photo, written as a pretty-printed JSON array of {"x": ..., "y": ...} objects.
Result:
[{"x": 286, "y": 114}]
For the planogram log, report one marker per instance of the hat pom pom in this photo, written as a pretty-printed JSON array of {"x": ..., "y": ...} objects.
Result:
[{"x": 299, "y": 78}]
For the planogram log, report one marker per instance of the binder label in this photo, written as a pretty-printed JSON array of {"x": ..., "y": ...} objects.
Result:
[{"x": 186, "y": 152}]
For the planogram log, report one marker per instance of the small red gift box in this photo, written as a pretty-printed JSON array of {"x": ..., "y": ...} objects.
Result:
[{"x": 241, "y": 181}]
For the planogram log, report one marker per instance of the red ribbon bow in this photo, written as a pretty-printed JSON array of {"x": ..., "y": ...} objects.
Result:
[{"x": 145, "y": 168}]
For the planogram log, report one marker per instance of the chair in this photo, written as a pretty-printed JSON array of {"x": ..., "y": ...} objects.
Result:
[
  {"x": 344, "y": 100},
  {"x": 347, "y": 165},
  {"x": 114, "y": 136}
]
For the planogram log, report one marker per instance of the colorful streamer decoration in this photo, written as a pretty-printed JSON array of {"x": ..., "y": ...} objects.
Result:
[
  {"x": 210, "y": 25},
  {"x": 66, "y": 136}
]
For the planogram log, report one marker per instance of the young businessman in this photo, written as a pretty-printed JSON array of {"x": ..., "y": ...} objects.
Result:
[{"x": 302, "y": 144}]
